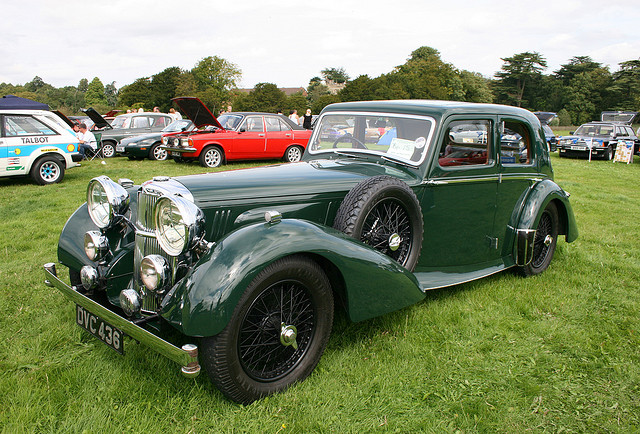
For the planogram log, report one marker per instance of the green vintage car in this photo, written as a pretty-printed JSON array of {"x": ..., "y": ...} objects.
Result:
[{"x": 247, "y": 266}]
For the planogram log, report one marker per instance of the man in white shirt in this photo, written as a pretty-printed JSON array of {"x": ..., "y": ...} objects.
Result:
[{"x": 87, "y": 140}]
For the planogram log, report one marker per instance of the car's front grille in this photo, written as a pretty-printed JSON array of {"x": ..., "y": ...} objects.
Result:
[{"x": 147, "y": 244}]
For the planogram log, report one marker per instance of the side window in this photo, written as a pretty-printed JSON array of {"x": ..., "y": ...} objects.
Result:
[
  {"x": 15, "y": 125},
  {"x": 515, "y": 144},
  {"x": 160, "y": 121},
  {"x": 274, "y": 124},
  {"x": 140, "y": 122},
  {"x": 622, "y": 132},
  {"x": 466, "y": 143},
  {"x": 254, "y": 124}
]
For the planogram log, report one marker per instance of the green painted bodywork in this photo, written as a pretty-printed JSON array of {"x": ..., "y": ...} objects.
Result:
[
  {"x": 470, "y": 219},
  {"x": 202, "y": 302}
]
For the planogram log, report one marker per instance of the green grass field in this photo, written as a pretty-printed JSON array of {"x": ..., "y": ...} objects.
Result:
[{"x": 559, "y": 352}]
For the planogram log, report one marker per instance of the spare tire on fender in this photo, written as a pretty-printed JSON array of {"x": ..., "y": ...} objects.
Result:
[{"x": 384, "y": 213}]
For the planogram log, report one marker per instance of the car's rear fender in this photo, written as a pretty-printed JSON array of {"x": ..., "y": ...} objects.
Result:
[
  {"x": 371, "y": 283},
  {"x": 539, "y": 196}
]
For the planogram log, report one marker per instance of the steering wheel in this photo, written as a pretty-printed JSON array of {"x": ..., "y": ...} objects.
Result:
[{"x": 353, "y": 140}]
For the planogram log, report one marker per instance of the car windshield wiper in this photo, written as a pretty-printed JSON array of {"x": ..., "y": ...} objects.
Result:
[
  {"x": 355, "y": 154},
  {"x": 397, "y": 160}
]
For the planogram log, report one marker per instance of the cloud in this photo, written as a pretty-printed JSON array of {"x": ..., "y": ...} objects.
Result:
[{"x": 287, "y": 44}]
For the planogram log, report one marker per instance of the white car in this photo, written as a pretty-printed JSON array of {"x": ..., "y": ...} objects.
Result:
[{"x": 36, "y": 143}]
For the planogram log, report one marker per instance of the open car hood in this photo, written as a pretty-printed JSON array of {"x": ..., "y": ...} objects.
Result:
[
  {"x": 195, "y": 110},
  {"x": 98, "y": 120},
  {"x": 545, "y": 118},
  {"x": 64, "y": 118},
  {"x": 619, "y": 116}
]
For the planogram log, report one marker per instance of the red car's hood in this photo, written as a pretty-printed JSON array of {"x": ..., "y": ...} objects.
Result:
[{"x": 196, "y": 111}]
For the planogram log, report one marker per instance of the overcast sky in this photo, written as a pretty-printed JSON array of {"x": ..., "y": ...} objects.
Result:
[{"x": 288, "y": 43}]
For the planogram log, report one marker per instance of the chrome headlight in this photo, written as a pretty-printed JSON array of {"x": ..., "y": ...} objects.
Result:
[
  {"x": 179, "y": 224},
  {"x": 164, "y": 140},
  {"x": 186, "y": 141},
  {"x": 176, "y": 141},
  {"x": 106, "y": 200},
  {"x": 96, "y": 245},
  {"x": 155, "y": 272}
]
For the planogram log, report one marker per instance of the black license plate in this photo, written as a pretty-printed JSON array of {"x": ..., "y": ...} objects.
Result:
[{"x": 111, "y": 336}]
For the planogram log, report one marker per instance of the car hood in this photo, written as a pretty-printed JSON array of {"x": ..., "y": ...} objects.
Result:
[
  {"x": 64, "y": 118},
  {"x": 280, "y": 182},
  {"x": 140, "y": 138},
  {"x": 545, "y": 117},
  {"x": 97, "y": 119},
  {"x": 196, "y": 111},
  {"x": 618, "y": 116}
]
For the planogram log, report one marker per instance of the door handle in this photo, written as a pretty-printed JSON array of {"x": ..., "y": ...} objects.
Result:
[{"x": 260, "y": 135}]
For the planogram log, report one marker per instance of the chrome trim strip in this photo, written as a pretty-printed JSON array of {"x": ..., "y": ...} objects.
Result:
[
  {"x": 179, "y": 150},
  {"x": 501, "y": 177},
  {"x": 444, "y": 181},
  {"x": 187, "y": 359}
]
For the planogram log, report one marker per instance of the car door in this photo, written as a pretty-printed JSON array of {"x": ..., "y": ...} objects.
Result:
[
  {"x": 3, "y": 148},
  {"x": 518, "y": 173},
  {"x": 460, "y": 199},
  {"x": 251, "y": 139},
  {"x": 279, "y": 137}
]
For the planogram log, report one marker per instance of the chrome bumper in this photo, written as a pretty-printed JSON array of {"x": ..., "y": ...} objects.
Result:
[
  {"x": 187, "y": 356},
  {"x": 179, "y": 150}
]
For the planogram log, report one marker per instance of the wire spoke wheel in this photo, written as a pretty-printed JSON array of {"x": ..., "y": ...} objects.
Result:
[
  {"x": 277, "y": 333},
  {"x": 387, "y": 221},
  {"x": 384, "y": 213},
  {"x": 544, "y": 244},
  {"x": 262, "y": 352}
]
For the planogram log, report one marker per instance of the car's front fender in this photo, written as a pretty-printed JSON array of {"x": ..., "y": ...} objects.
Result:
[{"x": 202, "y": 303}]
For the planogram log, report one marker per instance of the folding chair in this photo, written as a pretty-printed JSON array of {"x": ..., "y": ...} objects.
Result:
[{"x": 98, "y": 150}]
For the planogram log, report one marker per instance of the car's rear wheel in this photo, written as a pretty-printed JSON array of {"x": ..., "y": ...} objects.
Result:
[
  {"x": 47, "y": 170},
  {"x": 545, "y": 242},
  {"x": 157, "y": 153},
  {"x": 293, "y": 154},
  {"x": 384, "y": 213},
  {"x": 108, "y": 149},
  {"x": 211, "y": 156},
  {"x": 277, "y": 333}
]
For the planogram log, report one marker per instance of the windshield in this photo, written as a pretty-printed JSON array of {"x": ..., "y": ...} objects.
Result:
[
  {"x": 400, "y": 137},
  {"x": 229, "y": 122},
  {"x": 594, "y": 130},
  {"x": 176, "y": 126}
]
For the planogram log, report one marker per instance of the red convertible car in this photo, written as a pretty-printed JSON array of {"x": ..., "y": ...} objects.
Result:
[{"x": 235, "y": 136}]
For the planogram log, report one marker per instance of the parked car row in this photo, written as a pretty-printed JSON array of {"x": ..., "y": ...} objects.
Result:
[{"x": 600, "y": 138}]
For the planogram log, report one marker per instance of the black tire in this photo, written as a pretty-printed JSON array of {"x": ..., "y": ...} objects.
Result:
[
  {"x": 47, "y": 170},
  {"x": 379, "y": 209},
  {"x": 211, "y": 157},
  {"x": 608, "y": 154},
  {"x": 251, "y": 358},
  {"x": 108, "y": 149},
  {"x": 293, "y": 154},
  {"x": 157, "y": 153},
  {"x": 545, "y": 242}
]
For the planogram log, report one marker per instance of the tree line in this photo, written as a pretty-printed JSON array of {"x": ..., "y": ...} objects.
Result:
[{"x": 578, "y": 91}]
